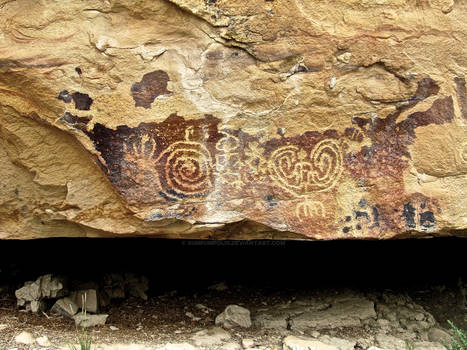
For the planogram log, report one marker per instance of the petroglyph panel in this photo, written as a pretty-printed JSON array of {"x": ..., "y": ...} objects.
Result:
[{"x": 184, "y": 163}]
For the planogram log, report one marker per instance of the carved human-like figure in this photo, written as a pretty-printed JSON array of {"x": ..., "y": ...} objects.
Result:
[{"x": 303, "y": 173}]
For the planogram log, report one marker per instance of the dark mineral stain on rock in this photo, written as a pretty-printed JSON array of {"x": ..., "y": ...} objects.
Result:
[
  {"x": 64, "y": 95},
  {"x": 82, "y": 101},
  {"x": 152, "y": 85},
  {"x": 75, "y": 121},
  {"x": 427, "y": 219},
  {"x": 409, "y": 215},
  {"x": 159, "y": 162}
]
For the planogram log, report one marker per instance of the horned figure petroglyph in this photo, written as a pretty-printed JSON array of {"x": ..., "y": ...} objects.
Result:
[{"x": 303, "y": 173}]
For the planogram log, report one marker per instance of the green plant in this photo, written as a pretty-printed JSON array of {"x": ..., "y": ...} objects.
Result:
[
  {"x": 409, "y": 345},
  {"x": 84, "y": 340},
  {"x": 83, "y": 337},
  {"x": 458, "y": 340}
]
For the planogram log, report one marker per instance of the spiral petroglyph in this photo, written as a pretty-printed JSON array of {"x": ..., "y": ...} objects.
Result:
[
  {"x": 186, "y": 169},
  {"x": 326, "y": 159}
]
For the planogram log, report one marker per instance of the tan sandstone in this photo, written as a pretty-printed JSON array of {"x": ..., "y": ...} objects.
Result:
[{"x": 290, "y": 119}]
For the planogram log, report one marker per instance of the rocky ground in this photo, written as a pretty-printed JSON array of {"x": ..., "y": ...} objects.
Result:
[
  {"x": 274, "y": 310},
  {"x": 342, "y": 318}
]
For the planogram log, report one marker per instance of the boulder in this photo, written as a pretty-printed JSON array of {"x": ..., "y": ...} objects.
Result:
[
  {"x": 244, "y": 119},
  {"x": 234, "y": 316},
  {"x": 32, "y": 295}
]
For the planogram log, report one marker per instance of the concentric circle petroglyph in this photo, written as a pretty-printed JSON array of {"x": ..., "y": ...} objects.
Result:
[{"x": 186, "y": 169}]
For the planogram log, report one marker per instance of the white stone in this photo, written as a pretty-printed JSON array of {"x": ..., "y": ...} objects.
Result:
[
  {"x": 248, "y": 343},
  {"x": 389, "y": 342},
  {"x": 333, "y": 82},
  {"x": 301, "y": 343},
  {"x": 231, "y": 346},
  {"x": 341, "y": 344},
  {"x": 345, "y": 57},
  {"x": 43, "y": 341},
  {"x": 25, "y": 338}
]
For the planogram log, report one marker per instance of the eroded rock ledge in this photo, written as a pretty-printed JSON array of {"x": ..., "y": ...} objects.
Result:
[{"x": 233, "y": 119}]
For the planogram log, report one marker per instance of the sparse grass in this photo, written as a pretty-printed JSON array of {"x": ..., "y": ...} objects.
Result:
[
  {"x": 83, "y": 337},
  {"x": 84, "y": 340},
  {"x": 458, "y": 339}
]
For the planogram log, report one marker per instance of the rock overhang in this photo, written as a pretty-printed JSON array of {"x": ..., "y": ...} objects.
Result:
[{"x": 235, "y": 134}]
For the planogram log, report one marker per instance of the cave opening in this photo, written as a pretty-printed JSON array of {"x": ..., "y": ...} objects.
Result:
[{"x": 183, "y": 274}]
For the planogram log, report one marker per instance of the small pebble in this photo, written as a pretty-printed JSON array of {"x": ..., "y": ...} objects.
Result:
[
  {"x": 248, "y": 343},
  {"x": 113, "y": 328},
  {"x": 43, "y": 341}
]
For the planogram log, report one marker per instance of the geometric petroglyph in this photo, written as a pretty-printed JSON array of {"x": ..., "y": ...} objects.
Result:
[
  {"x": 228, "y": 159},
  {"x": 308, "y": 208},
  {"x": 186, "y": 168},
  {"x": 302, "y": 173}
]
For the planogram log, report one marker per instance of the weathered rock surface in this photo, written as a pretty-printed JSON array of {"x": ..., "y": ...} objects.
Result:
[
  {"x": 347, "y": 311},
  {"x": 233, "y": 119}
]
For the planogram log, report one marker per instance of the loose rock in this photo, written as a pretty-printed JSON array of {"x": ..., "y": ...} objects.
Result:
[
  {"x": 234, "y": 316},
  {"x": 65, "y": 307},
  {"x": 231, "y": 346},
  {"x": 210, "y": 337},
  {"x": 302, "y": 343},
  {"x": 43, "y": 341},
  {"x": 25, "y": 338},
  {"x": 248, "y": 343},
  {"x": 86, "y": 321}
]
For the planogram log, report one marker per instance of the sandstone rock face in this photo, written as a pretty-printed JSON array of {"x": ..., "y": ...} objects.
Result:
[{"x": 233, "y": 119}]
